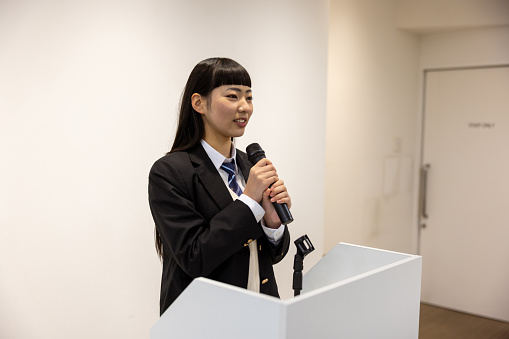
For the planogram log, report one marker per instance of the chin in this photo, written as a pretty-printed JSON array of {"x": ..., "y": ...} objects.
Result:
[{"x": 238, "y": 134}]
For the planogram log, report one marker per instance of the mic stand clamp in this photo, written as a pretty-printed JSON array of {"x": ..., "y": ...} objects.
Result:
[{"x": 304, "y": 247}]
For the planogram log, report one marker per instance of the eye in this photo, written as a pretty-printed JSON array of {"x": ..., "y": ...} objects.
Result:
[
  {"x": 249, "y": 98},
  {"x": 232, "y": 96}
]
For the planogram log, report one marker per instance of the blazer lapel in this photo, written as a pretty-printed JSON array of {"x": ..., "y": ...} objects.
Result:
[
  {"x": 244, "y": 164},
  {"x": 209, "y": 177}
]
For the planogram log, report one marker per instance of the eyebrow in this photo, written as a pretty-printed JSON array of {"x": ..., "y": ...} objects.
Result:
[{"x": 237, "y": 89}]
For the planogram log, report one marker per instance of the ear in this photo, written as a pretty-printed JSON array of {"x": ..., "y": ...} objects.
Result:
[{"x": 199, "y": 103}]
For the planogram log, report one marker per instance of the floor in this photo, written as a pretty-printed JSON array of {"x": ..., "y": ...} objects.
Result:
[{"x": 438, "y": 323}]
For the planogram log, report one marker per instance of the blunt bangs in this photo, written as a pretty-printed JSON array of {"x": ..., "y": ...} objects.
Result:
[{"x": 229, "y": 72}]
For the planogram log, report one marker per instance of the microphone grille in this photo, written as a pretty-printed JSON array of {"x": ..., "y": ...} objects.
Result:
[{"x": 254, "y": 153}]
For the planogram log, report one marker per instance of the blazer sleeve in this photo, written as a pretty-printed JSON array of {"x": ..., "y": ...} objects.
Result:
[
  {"x": 279, "y": 252},
  {"x": 195, "y": 232}
]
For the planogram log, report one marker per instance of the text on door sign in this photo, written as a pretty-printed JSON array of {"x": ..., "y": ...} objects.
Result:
[{"x": 481, "y": 125}]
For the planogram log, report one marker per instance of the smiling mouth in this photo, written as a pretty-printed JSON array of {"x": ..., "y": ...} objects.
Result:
[{"x": 240, "y": 120}]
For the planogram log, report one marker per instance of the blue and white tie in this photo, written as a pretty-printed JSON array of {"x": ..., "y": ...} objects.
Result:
[{"x": 229, "y": 167}]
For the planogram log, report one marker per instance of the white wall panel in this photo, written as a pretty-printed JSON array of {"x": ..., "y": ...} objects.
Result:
[
  {"x": 88, "y": 99},
  {"x": 371, "y": 127}
]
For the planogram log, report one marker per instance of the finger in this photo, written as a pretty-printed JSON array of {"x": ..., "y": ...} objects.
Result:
[
  {"x": 279, "y": 185},
  {"x": 277, "y": 188},
  {"x": 263, "y": 162},
  {"x": 268, "y": 178},
  {"x": 265, "y": 171},
  {"x": 279, "y": 196},
  {"x": 286, "y": 200},
  {"x": 268, "y": 168}
]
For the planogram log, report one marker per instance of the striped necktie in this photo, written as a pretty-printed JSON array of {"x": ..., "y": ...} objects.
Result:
[{"x": 229, "y": 167}]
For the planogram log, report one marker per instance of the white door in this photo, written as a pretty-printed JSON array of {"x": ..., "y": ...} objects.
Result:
[{"x": 464, "y": 240}]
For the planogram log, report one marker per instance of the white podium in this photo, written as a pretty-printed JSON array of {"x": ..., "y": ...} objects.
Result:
[{"x": 353, "y": 292}]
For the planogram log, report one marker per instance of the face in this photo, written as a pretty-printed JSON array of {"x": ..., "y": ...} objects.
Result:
[{"x": 226, "y": 112}]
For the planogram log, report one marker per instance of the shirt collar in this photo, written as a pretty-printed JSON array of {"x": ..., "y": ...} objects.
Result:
[{"x": 216, "y": 157}]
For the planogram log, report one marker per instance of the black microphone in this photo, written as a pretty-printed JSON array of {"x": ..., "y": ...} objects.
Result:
[{"x": 255, "y": 153}]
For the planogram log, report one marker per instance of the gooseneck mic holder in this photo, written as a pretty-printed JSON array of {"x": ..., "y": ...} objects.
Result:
[{"x": 304, "y": 247}]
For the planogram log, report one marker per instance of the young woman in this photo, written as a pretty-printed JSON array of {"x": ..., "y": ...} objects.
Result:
[{"x": 212, "y": 209}]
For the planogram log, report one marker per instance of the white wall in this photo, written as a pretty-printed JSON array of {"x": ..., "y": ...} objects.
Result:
[
  {"x": 371, "y": 127},
  {"x": 465, "y": 48},
  {"x": 88, "y": 99},
  {"x": 426, "y": 16}
]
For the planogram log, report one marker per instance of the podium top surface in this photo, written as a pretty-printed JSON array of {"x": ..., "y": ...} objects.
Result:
[{"x": 346, "y": 263}]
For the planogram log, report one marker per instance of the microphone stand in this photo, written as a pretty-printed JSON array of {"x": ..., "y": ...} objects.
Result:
[{"x": 304, "y": 247}]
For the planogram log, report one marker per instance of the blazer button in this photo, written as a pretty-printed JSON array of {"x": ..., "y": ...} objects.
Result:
[
  {"x": 260, "y": 247},
  {"x": 264, "y": 281}
]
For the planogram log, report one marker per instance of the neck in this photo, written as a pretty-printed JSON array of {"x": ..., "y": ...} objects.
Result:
[{"x": 222, "y": 146}]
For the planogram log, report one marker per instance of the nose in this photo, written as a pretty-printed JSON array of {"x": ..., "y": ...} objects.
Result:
[{"x": 243, "y": 105}]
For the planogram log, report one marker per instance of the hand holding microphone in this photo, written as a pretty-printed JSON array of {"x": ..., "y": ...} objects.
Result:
[{"x": 262, "y": 175}]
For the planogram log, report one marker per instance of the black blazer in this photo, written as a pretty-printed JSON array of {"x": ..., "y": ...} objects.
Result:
[{"x": 204, "y": 232}]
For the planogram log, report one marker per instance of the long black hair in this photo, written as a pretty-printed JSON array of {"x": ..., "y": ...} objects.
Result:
[{"x": 205, "y": 76}]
